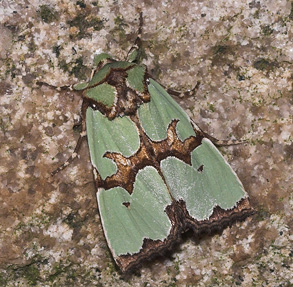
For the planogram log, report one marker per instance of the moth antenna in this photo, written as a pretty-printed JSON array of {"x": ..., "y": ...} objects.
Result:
[
  {"x": 135, "y": 52},
  {"x": 139, "y": 32}
]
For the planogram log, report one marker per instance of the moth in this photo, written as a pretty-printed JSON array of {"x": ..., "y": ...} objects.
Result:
[{"x": 157, "y": 173}]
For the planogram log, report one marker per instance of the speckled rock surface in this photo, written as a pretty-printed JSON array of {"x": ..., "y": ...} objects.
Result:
[{"x": 240, "y": 51}]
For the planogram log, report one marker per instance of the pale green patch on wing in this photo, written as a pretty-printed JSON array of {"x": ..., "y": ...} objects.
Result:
[
  {"x": 156, "y": 115},
  {"x": 117, "y": 135},
  {"x": 133, "y": 55},
  {"x": 99, "y": 76},
  {"x": 103, "y": 93},
  {"x": 125, "y": 227},
  {"x": 80, "y": 86},
  {"x": 100, "y": 57},
  {"x": 135, "y": 78},
  {"x": 202, "y": 190}
]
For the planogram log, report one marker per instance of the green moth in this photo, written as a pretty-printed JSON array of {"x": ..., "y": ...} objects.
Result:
[{"x": 156, "y": 171}]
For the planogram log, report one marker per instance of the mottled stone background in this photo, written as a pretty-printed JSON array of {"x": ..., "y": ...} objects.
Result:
[{"x": 240, "y": 51}]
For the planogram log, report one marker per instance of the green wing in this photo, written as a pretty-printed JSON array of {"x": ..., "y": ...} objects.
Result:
[
  {"x": 118, "y": 135},
  {"x": 207, "y": 183},
  {"x": 131, "y": 218}
]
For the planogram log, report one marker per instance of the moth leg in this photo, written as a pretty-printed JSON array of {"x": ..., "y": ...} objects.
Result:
[
  {"x": 62, "y": 88},
  {"x": 81, "y": 137},
  {"x": 81, "y": 122},
  {"x": 215, "y": 141},
  {"x": 186, "y": 94},
  {"x": 73, "y": 156},
  {"x": 135, "y": 53},
  {"x": 220, "y": 143}
]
